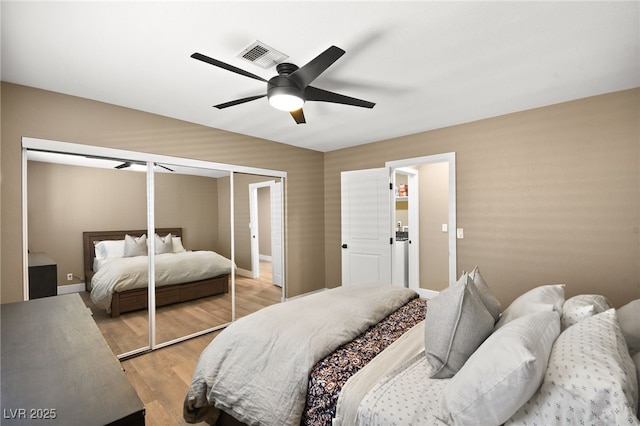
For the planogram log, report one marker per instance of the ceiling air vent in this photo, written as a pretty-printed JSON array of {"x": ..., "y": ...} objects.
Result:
[{"x": 262, "y": 55}]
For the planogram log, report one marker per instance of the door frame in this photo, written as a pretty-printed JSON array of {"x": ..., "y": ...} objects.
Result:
[{"x": 450, "y": 158}]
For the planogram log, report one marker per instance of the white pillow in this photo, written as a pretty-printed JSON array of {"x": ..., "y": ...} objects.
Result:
[
  {"x": 489, "y": 300},
  {"x": 163, "y": 244},
  {"x": 135, "y": 246},
  {"x": 590, "y": 378},
  {"x": 543, "y": 298},
  {"x": 503, "y": 373},
  {"x": 177, "y": 245},
  {"x": 629, "y": 319},
  {"x": 582, "y": 306},
  {"x": 456, "y": 323},
  {"x": 108, "y": 249}
]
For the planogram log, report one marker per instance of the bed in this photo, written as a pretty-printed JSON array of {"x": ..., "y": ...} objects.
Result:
[
  {"x": 456, "y": 359},
  {"x": 212, "y": 278}
]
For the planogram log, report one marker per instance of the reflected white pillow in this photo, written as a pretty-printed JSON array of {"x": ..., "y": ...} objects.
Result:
[
  {"x": 580, "y": 307},
  {"x": 163, "y": 244},
  {"x": 590, "y": 378},
  {"x": 108, "y": 249},
  {"x": 503, "y": 373},
  {"x": 177, "y": 245},
  {"x": 135, "y": 246},
  {"x": 543, "y": 298}
]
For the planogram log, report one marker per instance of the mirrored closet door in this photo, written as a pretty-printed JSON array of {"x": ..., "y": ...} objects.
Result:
[
  {"x": 193, "y": 267},
  {"x": 258, "y": 241},
  {"x": 78, "y": 212},
  {"x": 94, "y": 206}
]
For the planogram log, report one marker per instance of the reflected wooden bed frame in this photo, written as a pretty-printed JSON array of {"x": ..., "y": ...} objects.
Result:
[{"x": 135, "y": 299}]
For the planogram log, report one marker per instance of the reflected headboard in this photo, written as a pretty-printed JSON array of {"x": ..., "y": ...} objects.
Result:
[{"x": 89, "y": 239}]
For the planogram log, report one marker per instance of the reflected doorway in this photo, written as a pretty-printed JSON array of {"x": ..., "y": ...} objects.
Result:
[{"x": 265, "y": 215}]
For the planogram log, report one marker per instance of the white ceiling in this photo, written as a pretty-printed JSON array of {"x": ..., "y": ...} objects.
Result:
[{"x": 426, "y": 64}]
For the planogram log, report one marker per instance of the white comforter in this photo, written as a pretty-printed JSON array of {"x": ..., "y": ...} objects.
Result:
[
  {"x": 125, "y": 273},
  {"x": 257, "y": 369}
]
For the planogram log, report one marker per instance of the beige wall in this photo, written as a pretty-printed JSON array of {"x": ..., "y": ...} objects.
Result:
[
  {"x": 40, "y": 114},
  {"x": 64, "y": 201},
  {"x": 544, "y": 196},
  {"x": 549, "y": 195}
]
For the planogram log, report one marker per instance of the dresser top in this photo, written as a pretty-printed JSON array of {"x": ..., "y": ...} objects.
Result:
[
  {"x": 55, "y": 358},
  {"x": 40, "y": 259}
]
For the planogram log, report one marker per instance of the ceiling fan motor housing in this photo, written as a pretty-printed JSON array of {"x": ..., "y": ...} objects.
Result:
[{"x": 282, "y": 84}]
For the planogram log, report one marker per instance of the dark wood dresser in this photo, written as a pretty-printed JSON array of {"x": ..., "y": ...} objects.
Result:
[
  {"x": 57, "y": 369},
  {"x": 43, "y": 276}
]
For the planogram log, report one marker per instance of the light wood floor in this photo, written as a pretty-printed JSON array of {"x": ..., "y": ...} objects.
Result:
[
  {"x": 162, "y": 377},
  {"x": 130, "y": 331}
]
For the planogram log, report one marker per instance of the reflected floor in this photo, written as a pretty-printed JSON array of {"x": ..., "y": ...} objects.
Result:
[{"x": 129, "y": 331}]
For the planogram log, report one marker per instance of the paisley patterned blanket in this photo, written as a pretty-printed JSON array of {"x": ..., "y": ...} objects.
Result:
[{"x": 330, "y": 374}]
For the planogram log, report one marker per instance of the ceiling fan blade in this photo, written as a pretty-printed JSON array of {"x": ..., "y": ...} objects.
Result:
[
  {"x": 215, "y": 62},
  {"x": 239, "y": 101},
  {"x": 164, "y": 167},
  {"x": 315, "y": 94},
  {"x": 307, "y": 73},
  {"x": 298, "y": 115}
]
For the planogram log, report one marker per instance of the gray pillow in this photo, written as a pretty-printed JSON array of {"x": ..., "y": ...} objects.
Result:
[
  {"x": 135, "y": 246},
  {"x": 164, "y": 244},
  {"x": 457, "y": 322},
  {"x": 629, "y": 319},
  {"x": 489, "y": 300}
]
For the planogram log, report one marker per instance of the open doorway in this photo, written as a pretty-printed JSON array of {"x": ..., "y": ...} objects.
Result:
[{"x": 428, "y": 221}]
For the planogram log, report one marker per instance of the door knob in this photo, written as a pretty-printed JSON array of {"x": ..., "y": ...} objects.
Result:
[{"x": 344, "y": 246}]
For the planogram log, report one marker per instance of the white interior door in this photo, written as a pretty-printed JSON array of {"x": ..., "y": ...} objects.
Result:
[
  {"x": 366, "y": 230},
  {"x": 277, "y": 249}
]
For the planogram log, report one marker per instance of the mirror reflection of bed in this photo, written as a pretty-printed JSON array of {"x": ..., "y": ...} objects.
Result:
[{"x": 124, "y": 333}]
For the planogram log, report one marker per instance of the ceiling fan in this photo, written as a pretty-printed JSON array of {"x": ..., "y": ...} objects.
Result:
[
  {"x": 127, "y": 164},
  {"x": 288, "y": 90}
]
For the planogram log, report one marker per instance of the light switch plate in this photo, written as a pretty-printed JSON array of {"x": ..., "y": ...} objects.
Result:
[
  {"x": 445, "y": 228},
  {"x": 460, "y": 233}
]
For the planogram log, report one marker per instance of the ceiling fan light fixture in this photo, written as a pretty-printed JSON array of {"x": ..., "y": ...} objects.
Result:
[
  {"x": 285, "y": 98},
  {"x": 286, "y": 102}
]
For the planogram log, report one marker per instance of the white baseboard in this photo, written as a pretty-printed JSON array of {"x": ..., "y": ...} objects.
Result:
[
  {"x": 306, "y": 294},
  {"x": 244, "y": 273},
  {"x": 71, "y": 288},
  {"x": 265, "y": 257}
]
